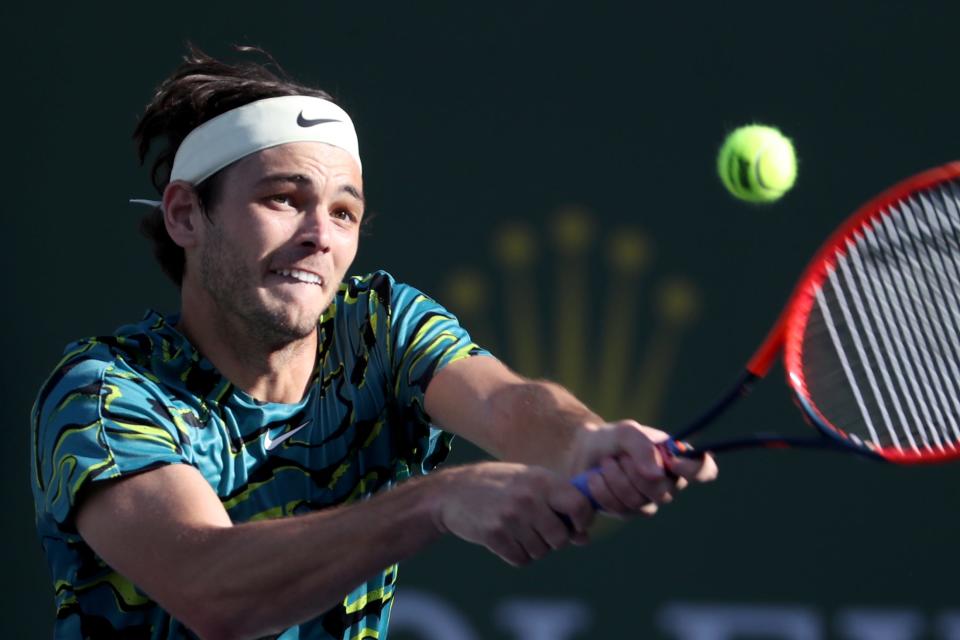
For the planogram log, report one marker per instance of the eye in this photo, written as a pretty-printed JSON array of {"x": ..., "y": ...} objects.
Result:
[
  {"x": 281, "y": 199},
  {"x": 344, "y": 214}
]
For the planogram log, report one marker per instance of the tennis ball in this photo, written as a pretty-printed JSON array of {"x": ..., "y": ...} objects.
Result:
[{"x": 757, "y": 163}]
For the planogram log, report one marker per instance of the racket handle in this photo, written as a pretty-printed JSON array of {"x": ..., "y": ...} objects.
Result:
[{"x": 580, "y": 482}]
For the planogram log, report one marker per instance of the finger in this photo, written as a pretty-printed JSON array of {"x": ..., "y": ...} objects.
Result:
[
  {"x": 627, "y": 498},
  {"x": 509, "y": 550},
  {"x": 602, "y": 493},
  {"x": 659, "y": 489},
  {"x": 573, "y": 506},
  {"x": 637, "y": 443},
  {"x": 630, "y": 489},
  {"x": 533, "y": 543},
  {"x": 554, "y": 531},
  {"x": 551, "y": 528},
  {"x": 649, "y": 509},
  {"x": 702, "y": 469},
  {"x": 556, "y": 536},
  {"x": 580, "y": 538}
]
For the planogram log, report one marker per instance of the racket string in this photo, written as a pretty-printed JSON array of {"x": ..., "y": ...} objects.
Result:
[
  {"x": 917, "y": 248},
  {"x": 950, "y": 269},
  {"x": 913, "y": 294},
  {"x": 844, "y": 360},
  {"x": 887, "y": 331},
  {"x": 865, "y": 364},
  {"x": 945, "y": 315},
  {"x": 878, "y": 353},
  {"x": 893, "y": 346},
  {"x": 952, "y": 272},
  {"x": 907, "y": 291}
]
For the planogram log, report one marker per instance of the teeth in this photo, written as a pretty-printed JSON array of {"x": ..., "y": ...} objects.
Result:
[{"x": 302, "y": 276}]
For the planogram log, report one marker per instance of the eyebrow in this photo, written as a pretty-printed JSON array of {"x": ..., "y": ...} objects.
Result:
[{"x": 300, "y": 180}]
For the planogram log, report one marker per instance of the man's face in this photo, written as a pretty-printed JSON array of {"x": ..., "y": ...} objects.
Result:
[{"x": 284, "y": 231}]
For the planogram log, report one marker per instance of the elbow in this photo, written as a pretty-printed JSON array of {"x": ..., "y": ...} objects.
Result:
[
  {"x": 211, "y": 619},
  {"x": 210, "y": 625},
  {"x": 215, "y": 615}
]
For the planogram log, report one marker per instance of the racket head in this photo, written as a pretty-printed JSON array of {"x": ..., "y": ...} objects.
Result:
[{"x": 871, "y": 335}]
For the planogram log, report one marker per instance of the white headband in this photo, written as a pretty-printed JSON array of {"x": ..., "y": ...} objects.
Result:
[
  {"x": 256, "y": 126},
  {"x": 260, "y": 125}
]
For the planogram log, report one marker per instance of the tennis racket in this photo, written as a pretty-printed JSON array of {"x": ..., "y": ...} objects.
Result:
[{"x": 870, "y": 335}]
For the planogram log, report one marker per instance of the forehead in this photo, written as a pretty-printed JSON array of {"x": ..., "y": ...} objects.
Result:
[{"x": 316, "y": 160}]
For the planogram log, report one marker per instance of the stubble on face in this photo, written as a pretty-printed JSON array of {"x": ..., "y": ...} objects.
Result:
[
  {"x": 227, "y": 280},
  {"x": 295, "y": 206}
]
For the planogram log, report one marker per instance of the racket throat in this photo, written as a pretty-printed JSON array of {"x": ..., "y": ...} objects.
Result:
[{"x": 740, "y": 389}]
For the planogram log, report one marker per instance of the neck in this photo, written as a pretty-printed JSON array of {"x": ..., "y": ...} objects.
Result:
[{"x": 267, "y": 372}]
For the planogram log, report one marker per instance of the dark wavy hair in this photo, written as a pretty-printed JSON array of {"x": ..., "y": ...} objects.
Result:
[{"x": 199, "y": 89}]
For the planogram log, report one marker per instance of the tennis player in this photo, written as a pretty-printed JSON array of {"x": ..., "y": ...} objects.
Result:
[{"x": 257, "y": 463}]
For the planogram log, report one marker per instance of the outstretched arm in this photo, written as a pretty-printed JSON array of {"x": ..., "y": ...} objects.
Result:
[
  {"x": 541, "y": 423},
  {"x": 166, "y": 531}
]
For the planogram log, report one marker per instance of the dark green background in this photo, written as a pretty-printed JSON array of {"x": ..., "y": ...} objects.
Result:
[{"x": 476, "y": 115}]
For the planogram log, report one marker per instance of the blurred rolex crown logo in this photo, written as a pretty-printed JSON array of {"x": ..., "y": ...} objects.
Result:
[{"x": 579, "y": 302}]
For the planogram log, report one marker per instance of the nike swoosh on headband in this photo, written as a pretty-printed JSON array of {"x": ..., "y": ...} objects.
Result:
[
  {"x": 272, "y": 443},
  {"x": 308, "y": 122}
]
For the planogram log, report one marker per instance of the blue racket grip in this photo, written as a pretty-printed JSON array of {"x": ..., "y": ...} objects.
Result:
[{"x": 580, "y": 482}]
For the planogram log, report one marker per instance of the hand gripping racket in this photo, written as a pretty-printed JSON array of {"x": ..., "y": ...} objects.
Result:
[{"x": 870, "y": 336}]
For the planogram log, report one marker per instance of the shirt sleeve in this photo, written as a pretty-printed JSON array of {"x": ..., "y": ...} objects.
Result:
[
  {"x": 95, "y": 422},
  {"x": 424, "y": 338}
]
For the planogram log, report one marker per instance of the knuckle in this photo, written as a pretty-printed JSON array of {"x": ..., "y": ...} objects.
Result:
[
  {"x": 497, "y": 539},
  {"x": 523, "y": 502},
  {"x": 583, "y": 515},
  {"x": 510, "y": 516}
]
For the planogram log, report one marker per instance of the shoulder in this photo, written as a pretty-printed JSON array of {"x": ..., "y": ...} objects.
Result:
[
  {"x": 121, "y": 360},
  {"x": 373, "y": 289},
  {"x": 375, "y": 293}
]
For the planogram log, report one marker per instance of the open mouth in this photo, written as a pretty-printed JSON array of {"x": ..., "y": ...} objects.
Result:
[{"x": 296, "y": 275}]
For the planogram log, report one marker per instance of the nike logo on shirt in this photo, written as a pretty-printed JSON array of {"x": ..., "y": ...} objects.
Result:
[{"x": 272, "y": 443}]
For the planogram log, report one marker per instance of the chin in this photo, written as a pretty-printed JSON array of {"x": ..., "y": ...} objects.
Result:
[
  {"x": 299, "y": 326},
  {"x": 279, "y": 327},
  {"x": 281, "y": 321}
]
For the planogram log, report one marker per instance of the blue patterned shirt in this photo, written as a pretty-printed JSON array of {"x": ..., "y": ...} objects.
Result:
[{"x": 145, "y": 397}]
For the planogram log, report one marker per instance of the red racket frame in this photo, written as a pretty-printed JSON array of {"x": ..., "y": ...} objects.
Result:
[{"x": 787, "y": 333}]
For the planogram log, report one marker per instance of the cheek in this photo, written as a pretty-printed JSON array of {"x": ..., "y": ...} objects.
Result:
[
  {"x": 264, "y": 234},
  {"x": 347, "y": 243}
]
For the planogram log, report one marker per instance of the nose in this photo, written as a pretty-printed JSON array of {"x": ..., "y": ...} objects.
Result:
[{"x": 315, "y": 230}]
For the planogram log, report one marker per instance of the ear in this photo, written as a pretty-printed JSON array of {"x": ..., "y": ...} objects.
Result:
[{"x": 182, "y": 213}]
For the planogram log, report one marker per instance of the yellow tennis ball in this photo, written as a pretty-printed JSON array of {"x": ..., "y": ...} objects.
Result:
[{"x": 757, "y": 163}]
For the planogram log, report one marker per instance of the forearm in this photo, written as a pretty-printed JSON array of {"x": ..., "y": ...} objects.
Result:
[
  {"x": 538, "y": 422},
  {"x": 511, "y": 417},
  {"x": 265, "y": 576}
]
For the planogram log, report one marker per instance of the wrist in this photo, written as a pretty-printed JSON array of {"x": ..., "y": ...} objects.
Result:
[
  {"x": 582, "y": 454},
  {"x": 432, "y": 493}
]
